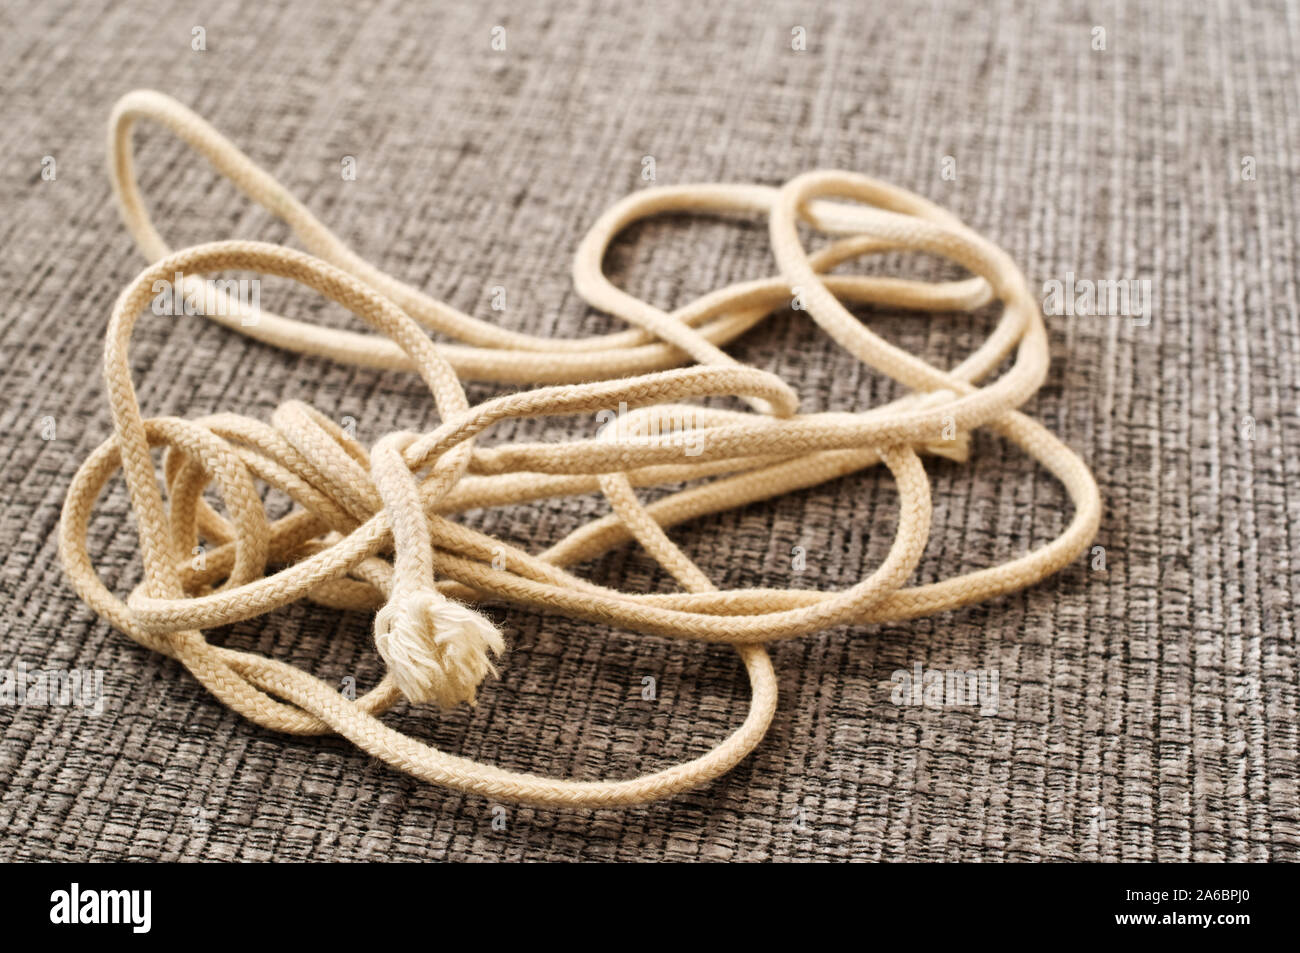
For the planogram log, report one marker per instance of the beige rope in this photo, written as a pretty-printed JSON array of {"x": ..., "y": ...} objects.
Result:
[{"x": 355, "y": 507}]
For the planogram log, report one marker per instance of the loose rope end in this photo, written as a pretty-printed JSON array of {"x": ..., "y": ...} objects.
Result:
[
  {"x": 437, "y": 650},
  {"x": 953, "y": 444}
]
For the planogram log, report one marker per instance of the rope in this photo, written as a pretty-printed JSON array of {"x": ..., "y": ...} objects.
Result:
[{"x": 354, "y": 508}]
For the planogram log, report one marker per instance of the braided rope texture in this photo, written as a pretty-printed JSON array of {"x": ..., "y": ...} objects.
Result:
[{"x": 471, "y": 479}]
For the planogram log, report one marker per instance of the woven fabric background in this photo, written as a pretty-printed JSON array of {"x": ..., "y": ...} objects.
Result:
[{"x": 1147, "y": 710}]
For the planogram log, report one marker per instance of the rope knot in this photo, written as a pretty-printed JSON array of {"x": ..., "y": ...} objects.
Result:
[{"x": 436, "y": 650}]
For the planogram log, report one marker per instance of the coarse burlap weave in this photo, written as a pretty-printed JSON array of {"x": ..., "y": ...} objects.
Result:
[{"x": 1146, "y": 709}]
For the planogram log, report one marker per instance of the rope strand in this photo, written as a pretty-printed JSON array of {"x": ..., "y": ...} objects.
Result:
[{"x": 353, "y": 508}]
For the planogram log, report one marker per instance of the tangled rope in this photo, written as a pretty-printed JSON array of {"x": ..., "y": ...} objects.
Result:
[{"x": 355, "y": 507}]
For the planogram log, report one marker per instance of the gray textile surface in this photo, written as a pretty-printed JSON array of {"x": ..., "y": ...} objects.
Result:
[{"x": 1147, "y": 711}]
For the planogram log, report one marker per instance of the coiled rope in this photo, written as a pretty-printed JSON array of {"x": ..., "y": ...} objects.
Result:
[{"x": 356, "y": 507}]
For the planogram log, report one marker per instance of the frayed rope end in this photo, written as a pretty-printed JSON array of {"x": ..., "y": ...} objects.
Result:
[{"x": 436, "y": 650}]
